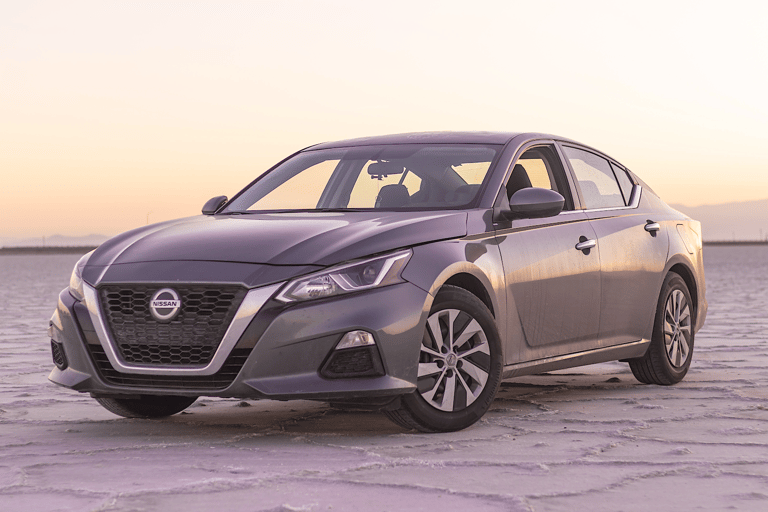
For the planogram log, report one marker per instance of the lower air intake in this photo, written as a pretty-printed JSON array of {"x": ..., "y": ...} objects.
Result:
[
  {"x": 218, "y": 381},
  {"x": 353, "y": 362}
]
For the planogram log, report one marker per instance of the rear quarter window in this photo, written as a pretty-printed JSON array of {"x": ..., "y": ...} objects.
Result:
[{"x": 624, "y": 182}]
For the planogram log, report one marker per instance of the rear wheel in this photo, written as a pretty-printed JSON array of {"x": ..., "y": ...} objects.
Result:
[
  {"x": 669, "y": 355},
  {"x": 459, "y": 368},
  {"x": 147, "y": 406}
]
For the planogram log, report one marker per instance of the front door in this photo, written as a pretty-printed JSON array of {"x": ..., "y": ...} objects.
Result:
[{"x": 553, "y": 288}]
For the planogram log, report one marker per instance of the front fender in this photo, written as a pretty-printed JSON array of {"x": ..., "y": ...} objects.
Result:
[{"x": 432, "y": 265}]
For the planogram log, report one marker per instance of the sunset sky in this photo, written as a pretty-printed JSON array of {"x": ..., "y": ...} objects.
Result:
[{"x": 113, "y": 114}]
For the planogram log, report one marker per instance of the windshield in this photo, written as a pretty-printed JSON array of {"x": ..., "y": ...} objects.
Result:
[{"x": 402, "y": 177}]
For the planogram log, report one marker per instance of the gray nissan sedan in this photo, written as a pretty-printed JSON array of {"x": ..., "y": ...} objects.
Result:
[{"x": 404, "y": 273}]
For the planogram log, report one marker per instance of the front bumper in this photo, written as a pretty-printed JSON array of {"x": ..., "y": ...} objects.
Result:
[{"x": 278, "y": 352}]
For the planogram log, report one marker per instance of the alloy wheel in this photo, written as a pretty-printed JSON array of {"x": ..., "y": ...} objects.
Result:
[
  {"x": 455, "y": 360},
  {"x": 677, "y": 328}
]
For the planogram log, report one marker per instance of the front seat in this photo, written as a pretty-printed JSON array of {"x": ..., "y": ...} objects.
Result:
[
  {"x": 392, "y": 196},
  {"x": 518, "y": 180}
]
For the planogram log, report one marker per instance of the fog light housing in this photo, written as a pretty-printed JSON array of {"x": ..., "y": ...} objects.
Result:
[
  {"x": 355, "y": 355},
  {"x": 356, "y": 339},
  {"x": 58, "y": 355}
]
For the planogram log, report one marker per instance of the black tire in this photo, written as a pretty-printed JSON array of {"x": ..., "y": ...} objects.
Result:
[
  {"x": 669, "y": 355},
  {"x": 437, "y": 406},
  {"x": 147, "y": 406}
]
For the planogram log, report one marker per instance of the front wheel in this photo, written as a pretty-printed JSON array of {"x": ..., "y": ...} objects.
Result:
[
  {"x": 669, "y": 355},
  {"x": 147, "y": 406},
  {"x": 459, "y": 368}
]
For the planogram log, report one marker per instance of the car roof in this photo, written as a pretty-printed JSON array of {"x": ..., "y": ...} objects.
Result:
[
  {"x": 451, "y": 137},
  {"x": 424, "y": 138}
]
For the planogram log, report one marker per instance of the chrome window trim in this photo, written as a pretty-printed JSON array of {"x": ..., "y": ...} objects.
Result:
[
  {"x": 252, "y": 303},
  {"x": 636, "y": 193}
]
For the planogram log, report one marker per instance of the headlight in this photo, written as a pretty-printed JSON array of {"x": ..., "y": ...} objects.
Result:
[
  {"x": 76, "y": 279},
  {"x": 347, "y": 278}
]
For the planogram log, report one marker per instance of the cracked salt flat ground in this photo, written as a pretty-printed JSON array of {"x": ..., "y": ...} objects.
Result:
[{"x": 588, "y": 437}]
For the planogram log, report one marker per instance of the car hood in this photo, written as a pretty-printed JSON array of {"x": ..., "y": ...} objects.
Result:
[{"x": 301, "y": 239}]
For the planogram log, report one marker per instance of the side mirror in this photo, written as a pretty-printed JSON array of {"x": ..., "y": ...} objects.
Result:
[
  {"x": 534, "y": 203},
  {"x": 213, "y": 204}
]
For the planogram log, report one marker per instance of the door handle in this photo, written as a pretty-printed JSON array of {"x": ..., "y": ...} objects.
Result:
[
  {"x": 586, "y": 245},
  {"x": 652, "y": 227}
]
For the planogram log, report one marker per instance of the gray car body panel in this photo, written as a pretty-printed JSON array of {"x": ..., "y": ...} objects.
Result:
[
  {"x": 515, "y": 266},
  {"x": 553, "y": 289}
]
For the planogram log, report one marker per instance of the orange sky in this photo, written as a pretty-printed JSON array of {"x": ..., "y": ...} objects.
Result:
[{"x": 112, "y": 113}]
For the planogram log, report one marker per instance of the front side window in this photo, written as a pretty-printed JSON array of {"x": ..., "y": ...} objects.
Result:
[
  {"x": 403, "y": 176},
  {"x": 598, "y": 185},
  {"x": 539, "y": 167}
]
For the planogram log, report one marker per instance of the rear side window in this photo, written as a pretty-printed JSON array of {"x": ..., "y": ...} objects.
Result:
[
  {"x": 624, "y": 182},
  {"x": 597, "y": 182}
]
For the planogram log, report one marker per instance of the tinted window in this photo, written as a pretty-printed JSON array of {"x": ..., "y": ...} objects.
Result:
[
  {"x": 536, "y": 168},
  {"x": 624, "y": 182},
  {"x": 410, "y": 176},
  {"x": 598, "y": 185},
  {"x": 539, "y": 167},
  {"x": 301, "y": 189},
  {"x": 367, "y": 189}
]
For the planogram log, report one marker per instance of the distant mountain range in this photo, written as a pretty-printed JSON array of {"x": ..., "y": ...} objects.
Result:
[
  {"x": 55, "y": 241},
  {"x": 730, "y": 221}
]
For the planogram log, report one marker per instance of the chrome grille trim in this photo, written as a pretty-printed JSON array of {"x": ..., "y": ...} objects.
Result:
[
  {"x": 252, "y": 303},
  {"x": 189, "y": 339}
]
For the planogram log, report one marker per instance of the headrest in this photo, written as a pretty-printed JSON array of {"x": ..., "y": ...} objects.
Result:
[
  {"x": 591, "y": 193},
  {"x": 392, "y": 196},
  {"x": 518, "y": 180}
]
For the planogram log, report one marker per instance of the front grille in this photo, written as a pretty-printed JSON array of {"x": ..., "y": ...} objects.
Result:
[
  {"x": 171, "y": 354},
  {"x": 190, "y": 339},
  {"x": 59, "y": 357},
  {"x": 218, "y": 380}
]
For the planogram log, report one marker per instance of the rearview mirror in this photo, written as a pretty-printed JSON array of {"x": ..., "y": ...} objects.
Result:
[
  {"x": 535, "y": 203},
  {"x": 378, "y": 169},
  {"x": 213, "y": 204}
]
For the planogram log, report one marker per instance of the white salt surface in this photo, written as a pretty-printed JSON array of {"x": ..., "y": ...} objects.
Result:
[{"x": 588, "y": 438}]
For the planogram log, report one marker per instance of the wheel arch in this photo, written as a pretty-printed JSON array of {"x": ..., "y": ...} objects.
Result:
[
  {"x": 472, "y": 265},
  {"x": 690, "y": 281},
  {"x": 474, "y": 286}
]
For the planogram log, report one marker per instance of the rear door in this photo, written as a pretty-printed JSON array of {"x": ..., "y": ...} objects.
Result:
[{"x": 632, "y": 246}]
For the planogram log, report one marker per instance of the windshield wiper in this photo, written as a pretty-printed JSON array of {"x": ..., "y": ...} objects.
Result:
[{"x": 341, "y": 209}]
